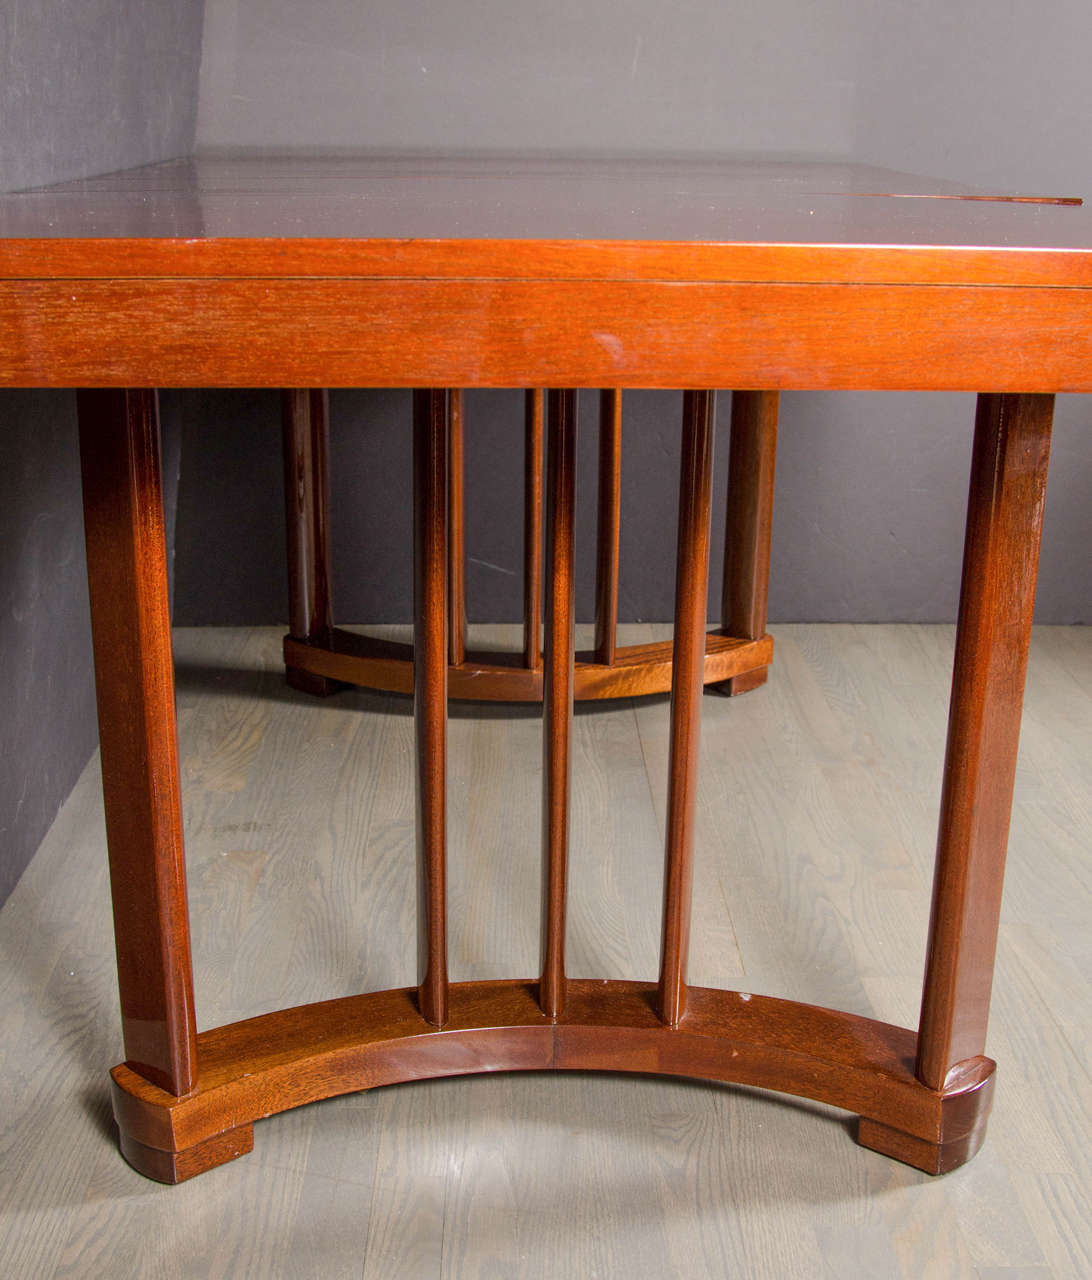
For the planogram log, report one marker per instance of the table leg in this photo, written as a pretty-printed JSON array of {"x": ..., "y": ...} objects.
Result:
[
  {"x": 127, "y": 580},
  {"x": 305, "y": 419},
  {"x": 752, "y": 454},
  {"x": 557, "y": 695},
  {"x": 688, "y": 657},
  {"x": 431, "y": 434},
  {"x": 456, "y": 530},
  {"x": 532, "y": 529},
  {"x": 609, "y": 526},
  {"x": 1004, "y": 520}
]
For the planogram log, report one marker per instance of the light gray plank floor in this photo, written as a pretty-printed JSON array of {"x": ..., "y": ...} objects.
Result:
[{"x": 816, "y": 829}]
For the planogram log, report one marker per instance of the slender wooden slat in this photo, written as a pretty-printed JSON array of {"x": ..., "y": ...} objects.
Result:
[
  {"x": 532, "y": 530},
  {"x": 305, "y": 419},
  {"x": 609, "y": 525},
  {"x": 456, "y": 547},
  {"x": 691, "y": 609},
  {"x": 431, "y": 422},
  {"x": 557, "y": 695},
  {"x": 1000, "y": 562},
  {"x": 134, "y": 674},
  {"x": 748, "y": 521}
]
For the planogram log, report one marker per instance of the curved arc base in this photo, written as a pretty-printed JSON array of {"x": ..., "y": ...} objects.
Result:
[
  {"x": 264, "y": 1065},
  {"x": 346, "y": 657}
]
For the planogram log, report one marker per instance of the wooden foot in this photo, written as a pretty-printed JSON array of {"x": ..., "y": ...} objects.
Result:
[
  {"x": 744, "y": 682},
  {"x": 308, "y": 682},
  {"x": 960, "y": 1131},
  {"x": 929, "y": 1157},
  {"x": 177, "y": 1166}
]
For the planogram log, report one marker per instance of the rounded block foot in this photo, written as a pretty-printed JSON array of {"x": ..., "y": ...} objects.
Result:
[
  {"x": 744, "y": 682},
  {"x": 960, "y": 1126},
  {"x": 929, "y": 1157},
  {"x": 308, "y": 682},
  {"x": 177, "y": 1166}
]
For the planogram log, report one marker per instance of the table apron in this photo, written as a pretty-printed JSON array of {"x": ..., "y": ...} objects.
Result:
[{"x": 574, "y": 333}]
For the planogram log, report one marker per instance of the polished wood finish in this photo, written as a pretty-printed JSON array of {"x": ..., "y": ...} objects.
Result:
[
  {"x": 532, "y": 529},
  {"x": 580, "y": 275},
  {"x": 280, "y": 1060},
  {"x": 431, "y": 431},
  {"x": 557, "y": 693},
  {"x": 134, "y": 679},
  {"x": 748, "y": 522},
  {"x": 609, "y": 525},
  {"x": 305, "y": 417},
  {"x": 456, "y": 537},
  {"x": 180, "y": 1166},
  {"x": 234, "y": 213},
  {"x": 516, "y": 330},
  {"x": 691, "y": 608},
  {"x": 638, "y": 669},
  {"x": 1000, "y": 563}
]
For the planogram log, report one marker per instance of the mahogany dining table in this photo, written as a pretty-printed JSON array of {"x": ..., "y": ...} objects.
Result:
[{"x": 445, "y": 272}]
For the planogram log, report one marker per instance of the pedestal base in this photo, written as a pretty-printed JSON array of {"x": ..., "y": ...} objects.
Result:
[{"x": 256, "y": 1068}]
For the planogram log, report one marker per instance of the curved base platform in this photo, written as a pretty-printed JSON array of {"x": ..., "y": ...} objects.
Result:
[
  {"x": 349, "y": 658},
  {"x": 253, "y": 1069}
]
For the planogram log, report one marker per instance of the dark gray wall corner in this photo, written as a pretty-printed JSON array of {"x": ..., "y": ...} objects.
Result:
[
  {"x": 89, "y": 86},
  {"x": 86, "y": 86},
  {"x": 47, "y": 730}
]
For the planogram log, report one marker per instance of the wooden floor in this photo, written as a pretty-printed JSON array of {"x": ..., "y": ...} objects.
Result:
[{"x": 815, "y": 837}]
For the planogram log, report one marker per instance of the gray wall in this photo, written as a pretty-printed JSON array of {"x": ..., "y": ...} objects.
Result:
[
  {"x": 85, "y": 85},
  {"x": 979, "y": 91},
  {"x": 870, "y": 488}
]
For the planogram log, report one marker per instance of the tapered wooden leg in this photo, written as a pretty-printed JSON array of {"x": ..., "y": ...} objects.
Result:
[
  {"x": 305, "y": 425},
  {"x": 127, "y": 578},
  {"x": 688, "y": 666},
  {"x": 431, "y": 425},
  {"x": 608, "y": 530},
  {"x": 456, "y": 546},
  {"x": 749, "y": 519},
  {"x": 532, "y": 530},
  {"x": 557, "y": 701},
  {"x": 1000, "y": 561}
]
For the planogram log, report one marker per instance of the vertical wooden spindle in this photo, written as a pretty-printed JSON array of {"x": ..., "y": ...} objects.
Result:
[
  {"x": 688, "y": 668},
  {"x": 749, "y": 519},
  {"x": 430, "y": 569},
  {"x": 305, "y": 417},
  {"x": 1000, "y": 562},
  {"x": 609, "y": 525},
  {"x": 557, "y": 700},
  {"x": 532, "y": 530},
  {"x": 456, "y": 534},
  {"x": 134, "y": 677}
]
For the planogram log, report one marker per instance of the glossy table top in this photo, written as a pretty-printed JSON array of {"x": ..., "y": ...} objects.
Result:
[
  {"x": 378, "y": 270},
  {"x": 708, "y": 204}
]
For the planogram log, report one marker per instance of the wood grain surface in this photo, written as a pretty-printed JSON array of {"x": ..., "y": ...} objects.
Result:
[{"x": 509, "y": 330}]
